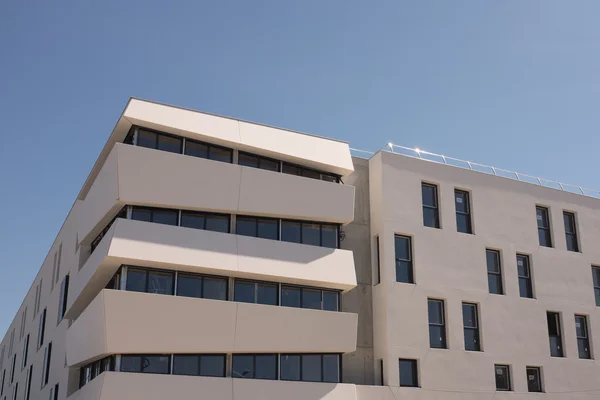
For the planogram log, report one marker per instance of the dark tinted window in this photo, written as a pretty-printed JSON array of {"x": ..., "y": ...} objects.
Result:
[
  {"x": 311, "y": 299},
  {"x": 331, "y": 301},
  {"x": 329, "y": 236},
  {"x": 534, "y": 379},
  {"x": 244, "y": 292},
  {"x": 570, "y": 231},
  {"x": 430, "y": 205},
  {"x": 193, "y": 220},
  {"x": 247, "y": 160},
  {"x": 437, "y": 325},
  {"x": 543, "y": 223},
  {"x": 290, "y": 296},
  {"x": 196, "y": 149},
  {"x": 583, "y": 341},
  {"x": 157, "y": 215},
  {"x": 471, "y": 327},
  {"x": 215, "y": 288},
  {"x": 212, "y": 365},
  {"x": 554, "y": 333},
  {"x": 152, "y": 364},
  {"x": 217, "y": 223},
  {"x": 311, "y": 367},
  {"x": 146, "y": 139},
  {"x": 186, "y": 364},
  {"x": 502, "y": 377},
  {"x": 311, "y": 234},
  {"x": 136, "y": 280},
  {"x": 291, "y": 231},
  {"x": 463, "y": 211},
  {"x": 596, "y": 282},
  {"x": 256, "y": 292},
  {"x": 308, "y": 173},
  {"x": 267, "y": 294},
  {"x": 263, "y": 366},
  {"x": 169, "y": 143},
  {"x": 258, "y": 227},
  {"x": 315, "y": 234},
  {"x": 220, "y": 154},
  {"x": 204, "y": 150},
  {"x": 404, "y": 266},
  {"x": 408, "y": 373},
  {"x": 199, "y": 365},
  {"x": 494, "y": 272},
  {"x": 290, "y": 367},
  {"x": 160, "y": 282},
  {"x": 524, "y": 272},
  {"x": 331, "y": 368},
  {"x": 189, "y": 286},
  {"x": 251, "y": 160}
]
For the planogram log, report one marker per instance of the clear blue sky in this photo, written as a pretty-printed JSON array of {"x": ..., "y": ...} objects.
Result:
[{"x": 514, "y": 84}]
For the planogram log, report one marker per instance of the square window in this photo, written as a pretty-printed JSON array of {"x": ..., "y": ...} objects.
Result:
[{"x": 408, "y": 373}]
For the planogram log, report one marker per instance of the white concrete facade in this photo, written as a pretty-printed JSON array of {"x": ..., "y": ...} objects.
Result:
[{"x": 160, "y": 264}]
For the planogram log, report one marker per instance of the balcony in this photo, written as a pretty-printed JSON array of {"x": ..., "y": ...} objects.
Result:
[
  {"x": 120, "y": 322},
  {"x": 120, "y": 385},
  {"x": 198, "y": 251},
  {"x": 141, "y": 176}
]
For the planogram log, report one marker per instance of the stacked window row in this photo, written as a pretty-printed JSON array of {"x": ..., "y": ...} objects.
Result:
[
  {"x": 462, "y": 201},
  {"x": 304, "y": 232},
  {"x": 288, "y": 367},
  {"x": 143, "y": 137},
  {"x": 146, "y": 280}
]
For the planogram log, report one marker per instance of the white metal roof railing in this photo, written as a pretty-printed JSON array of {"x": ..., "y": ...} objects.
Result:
[{"x": 487, "y": 169}]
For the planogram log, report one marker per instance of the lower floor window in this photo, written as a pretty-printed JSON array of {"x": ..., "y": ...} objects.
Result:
[
  {"x": 310, "y": 367},
  {"x": 199, "y": 365},
  {"x": 502, "y": 377},
  {"x": 92, "y": 370},
  {"x": 151, "y": 364}
]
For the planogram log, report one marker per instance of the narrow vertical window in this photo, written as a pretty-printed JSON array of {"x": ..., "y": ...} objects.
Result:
[
  {"x": 431, "y": 215},
  {"x": 16, "y": 391},
  {"x": 534, "y": 379},
  {"x": 381, "y": 372},
  {"x": 47, "y": 360},
  {"x": 28, "y": 383},
  {"x": 463, "y": 211},
  {"x": 471, "y": 327},
  {"x": 502, "y": 377},
  {"x": 64, "y": 294},
  {"x": 12, "y": 369},
  {"x": 554, "y": 333},
  {"x": 571, "y": 231},
  {"x": 378, "y": 271},
  {"x": 25, "y": 351},
  {"x": 53, "y": 393},
  {"x": 437, "y": 324},
  {"x": 42, "y": 329},
  {"x": 494, "y": 271},
  {"x": 404, "y": 265},
  {"x": 543, "y": 223},
  {"x": 3, "y": 379},
  {"x": 596, "y": 280},
  {"x": 524, "y": 272},
  {"x": 583, "y": 340},
  {"x": 408, "y": 373}
]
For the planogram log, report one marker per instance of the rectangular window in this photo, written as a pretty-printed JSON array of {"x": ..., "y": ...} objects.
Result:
[
  {"x": 408, "y": 373},
  {"x": 381, "y": 380},
  {"x": 534, "y": 379},
  {"x": 256, "y": 292},
  {"x": 28, "y": 383},
  {"x": 25, "y": 351},
  {"x": 554, "y": 333},
  {"x": 206, "y": 221},
  {"x": 543, "y": 223},
  {"x": 210, "y": 151},
  {"x": 250, "y": 366},
  {"x": 199, "y": 364},
  {"x": 494, "y": 271},
  {"x": 53, "y": 393},
  {"x": 471, "y": 327},
  {"x": 378, "y": 271},
  {"x": 502, "y": 377},
  {"x": 16, "y": 391},
  {"x": 571, "y": 231},
  {"x": 206, "y": 287},
  {"x": 463, "y": 211},
  {"x": 159, "y": 141},
  {"x": 316, "y": 299},
  {"x": 47, "y": 361},
  {"x": 64, "y": 295},
  {"x": 42, "y": 329},
  {"x": 583, "y": 339},
  {"x": 403, "y": 255},
  {"x": 150, "y": 281},
  {"x": 596, "y": 282},
  {"x": 437, "y": 324},
  {"x": 255, "y": 161},
  {"x": 3, "y": 379},
  {"x": 292, "y": 169},
  {"x": 524, "y": 272},
  {"x": 149, "y": 364},
  {"x": 12, "y": 369},
  {"x": 157, "y": 215},
  {"x": 431, "y": 215},
  {"x": 315, "y": 234},
  {"x": 266, "y": 228},
  {"x": 310, "y": 367}
]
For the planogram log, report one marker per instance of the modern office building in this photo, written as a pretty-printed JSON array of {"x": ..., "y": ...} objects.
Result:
[{"x": 210, "y": 258}]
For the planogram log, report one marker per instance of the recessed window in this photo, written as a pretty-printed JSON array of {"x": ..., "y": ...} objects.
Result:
[
  {"x": 199, "y": 365},
  {"x": 16, "y": 391},
  {"x": 90, "y": 371},
  {"x": 159, "y": 141},
  {"x": 571, "y": 231},
  {"x": 437, "y": 324},
  {"x": 150, "y": 364},
  {"x": 431, "y": 215},
  {"x": 555, "y": 335},
  {"x": 64, "y": 295},
  {"x": 502, "y": 377},
  {"x": 156, "y": 215},
  {"x": 204, "y": 150},
  {"x": 315, "y": 234},
  {"x": 150, "y": 281},
  {"x": 310, "y": 367},
  {"x": 251, "y": 366},
  {"x": 463, "y": 211},
  {"x": 255, "y": 161},
  {"x": 378, "y": 271},
  {"x": 28, "y": 384},
  {"x": 256, "y": 292},
  {"x": 403, "y": 255},
  {"x": 471, "y": 327},
  {"x": 42, "y": 329},
  {"x": 12, "y": 368},
  {"x": 205, "y": 221},
  {"x": 534, "y": 379},
  {"x": 266, "y": 228},
  {"x": 524, "y": 272},
  {"x": 408, "y": 373},
  {"x": 596, "y": 282},
  {"x": 53, "y": 393},
  {"x": 47, "y": 361},
  {"x": 543, "y": 223},
  {"x": 494, "y": 271},
  {"x": 3, "y": 379},
  {"x": 25, "y": 351},
  {"x": 199, "y": 286},
  {"x": 583, "y": 339},
  {"x": 316, "y": 299},
  {"x": 292, "y": 169}
]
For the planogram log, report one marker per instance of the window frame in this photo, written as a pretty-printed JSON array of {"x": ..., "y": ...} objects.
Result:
[
  {"x": 547, "y": 230},
  {"x": 47, "y": 363},
  {"x": 583, "y": 340},
  {"x": 436, "y": 207},
  {"x": 254, "y": 356},
  {"x": 153, "y": 210},
  {"x": 559, "y": 352},
  {"x": 302, "y": 289},
  {"x": 42, "y": 329},
  {"x": 596, "y": 283},
  {"x": 255, "y": 283},
  {"x": 141, "y": 356},
  {"x": 259, "y": 159},
  {"x": 540, "y": 384},
  {"x": 377, "y": 279},
  {"x": 202, "y": 278},
  {"x": 441, "y": 325},
  {"x": 506, "y": 368},
  {"x": 414, "y": 365},
  {"x": 568, "y": 234},
  {"x": 256, "y": 220},
  {"x": 528, "y": 279},
  {"x": 199, "y": 362},
  {"x": 411, "y": 270},
  {"x": 466, "y": 196},
  {"x": 206, "y": 216},
  {"x": 300, "y": 168},
  {"x": 499, "y": 275},
  {"x": 64, "y": 296},
  {"x": 337, "y": 227},
  {"x": 147, "y": 271},
  {"x": 25, "y": 352},
  {"x": 475, "y": 328},
  {"x": 322, "y": 361},
  {"x": 209, "y": 147}
]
